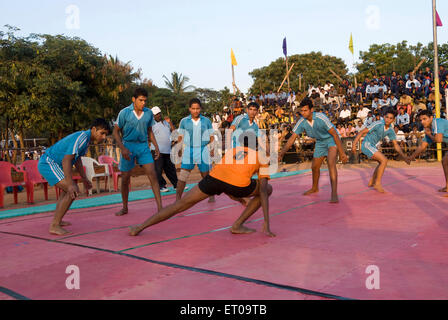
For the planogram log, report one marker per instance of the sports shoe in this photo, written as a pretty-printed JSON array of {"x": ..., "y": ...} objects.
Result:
[{"x": 164, "y": 190}]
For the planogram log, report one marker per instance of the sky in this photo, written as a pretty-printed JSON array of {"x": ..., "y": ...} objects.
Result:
[{"x": 194, "y": 37}]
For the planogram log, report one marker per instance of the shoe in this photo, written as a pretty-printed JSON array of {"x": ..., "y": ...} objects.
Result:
[{"x": 164, "y": 190}]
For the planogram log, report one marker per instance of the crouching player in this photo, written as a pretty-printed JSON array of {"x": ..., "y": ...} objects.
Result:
[{"x": 232, "y": 177}]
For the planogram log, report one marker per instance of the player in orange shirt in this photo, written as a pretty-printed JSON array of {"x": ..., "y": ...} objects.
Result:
[{"x": 234, "y": 178}]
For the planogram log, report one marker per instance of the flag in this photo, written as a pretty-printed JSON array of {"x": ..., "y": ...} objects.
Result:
[
  {"x": 232, "y": 56},
  {"x": 285, "y": 49},
  {"x": 438, "y": 20},
  {"x": 350, "y": 46}
]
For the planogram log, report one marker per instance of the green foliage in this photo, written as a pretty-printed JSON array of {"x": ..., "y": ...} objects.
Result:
[
  {"x": 402, "y": 58},
  {"x": 314, "y": 67}
]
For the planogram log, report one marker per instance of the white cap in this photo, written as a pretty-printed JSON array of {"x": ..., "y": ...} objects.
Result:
[{"x": 156, "y": 110}]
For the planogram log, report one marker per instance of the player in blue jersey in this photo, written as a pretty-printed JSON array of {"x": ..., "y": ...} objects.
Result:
[
  {"x": 134, "y": 124},
  {"x": 56, "y": 164},
  {"x": 436, "y": 131},
  {"x": 374, "y": 134},
  {"x": 196, "y": 134},
  {"x": 245, "y": 122},
  {"x": 328, "y": 145}
]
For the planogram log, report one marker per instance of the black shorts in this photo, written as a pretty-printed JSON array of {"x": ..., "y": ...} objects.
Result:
[{"x": 212, "y": 187}]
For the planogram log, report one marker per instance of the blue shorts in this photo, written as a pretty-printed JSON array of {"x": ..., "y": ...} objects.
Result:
[
  {"x": 140, "y": 152},
  {"x": 50, "y": 170},
  {"x": 196, "y": 156},
  {"x": 368, "y": 149},
  {"x": 322, "y": 146}
]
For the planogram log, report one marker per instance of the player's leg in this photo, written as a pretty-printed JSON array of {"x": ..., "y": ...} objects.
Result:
[
  {"x": 63, "y": 204},
  {"x": 252, "y": 207},
  {"x": 150, "y": 171},
  {"x": 378, "y": 156},
  {"x": 192, "y": 197},
  {"x": 125, "y": 182},
  {"x": 445, "y": 171},
  {"x": 185, "y": 172},
  {"x": 315, "y": 167},
  {"x": 331, "y": 159}
]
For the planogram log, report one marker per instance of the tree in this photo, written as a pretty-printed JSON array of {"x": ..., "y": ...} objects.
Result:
[
  {"x": 177, "y": 84},
  {"x": 314, "y": 66}
]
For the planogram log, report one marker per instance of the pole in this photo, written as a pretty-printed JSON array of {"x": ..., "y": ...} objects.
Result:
[
  {"x": 233, "y": 80},
  {"x": 287, "y": 68},
  {"x": 436, "y": 73},
  {"x": 287, "y": 75}
]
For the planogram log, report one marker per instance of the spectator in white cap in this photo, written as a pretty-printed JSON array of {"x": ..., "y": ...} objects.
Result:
[{"x": 162, "y": 131}]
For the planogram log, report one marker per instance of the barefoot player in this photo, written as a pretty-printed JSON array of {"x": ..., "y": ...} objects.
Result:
[
  {"x": 196, "y": 132},
  {"x": 374, "y": 134},
  {"x": 233, "y": 178},
  {"x": 328, "y": 145},
  {"x": 56, "y": 164},
  {"x": 436, "y": 130},
  {"x": 134, "y": 124}
]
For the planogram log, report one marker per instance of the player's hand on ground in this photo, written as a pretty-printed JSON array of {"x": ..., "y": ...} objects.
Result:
[
  {"x": 343, "y": 157},
  {"x": 73, "y": 190},
  {"x": 267, "y": 231},
  {"x": 407, "y": 160},
  {"x": 126, "y": 154}
]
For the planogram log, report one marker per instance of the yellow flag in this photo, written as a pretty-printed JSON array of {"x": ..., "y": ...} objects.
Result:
[
  {"x": 350, "y": 46},
  {"x": 234, "y": 63}
]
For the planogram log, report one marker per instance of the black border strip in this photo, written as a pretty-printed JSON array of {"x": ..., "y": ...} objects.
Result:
[{"x": 194, "y": 269}]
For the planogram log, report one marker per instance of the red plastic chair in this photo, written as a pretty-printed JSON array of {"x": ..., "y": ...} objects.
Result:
[
  {"x": 33, "y": 178},
  {"x": 115, "y": 173},
  {"x": 6, "y": 181}
]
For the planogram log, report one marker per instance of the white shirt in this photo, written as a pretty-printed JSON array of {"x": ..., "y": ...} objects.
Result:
[
  {"x": 363, "y": 113},
  {"x": 344, "y": 114},
  {"x": 162, "y": 133}
]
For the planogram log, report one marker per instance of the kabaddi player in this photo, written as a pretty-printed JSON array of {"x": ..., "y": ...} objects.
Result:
[
  {"x": 234, "y": 178},
  {"x": 135, "y": 123},
  {"x": 374, "y": 134},
  {"x": 328, "y": 145},
  {"x": 245, "y": 122},
  {"x": 56, "y": 165},
  {"x": 197, "y": 133},
  {"x": 436, "y": 130}
]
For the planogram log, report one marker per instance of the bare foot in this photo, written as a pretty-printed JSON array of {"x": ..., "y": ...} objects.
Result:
[
  {"x": 122, "y": 212},
  {"x": 444, "y": 189},
  {"x": 379, "y": 188},
  {"x": 242, "y": 230},
  {"x": 65, "y": 224},
  {"x": 58, "y": 231},
  {"x": 311, "y": 191},
  {"x": 211, "y": 200},
  {"x": 334, "y": 199},
  {"x": 134, "y": 231},
  {"x": 371, "y": 183}
]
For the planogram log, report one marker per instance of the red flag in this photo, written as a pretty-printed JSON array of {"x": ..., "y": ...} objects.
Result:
[{"x": 438, "y": 21}]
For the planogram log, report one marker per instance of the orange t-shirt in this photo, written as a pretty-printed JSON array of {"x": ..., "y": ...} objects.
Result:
[{"x": 238, "y": 166}]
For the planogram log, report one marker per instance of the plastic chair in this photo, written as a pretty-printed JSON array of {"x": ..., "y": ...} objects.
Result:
[
  {"x": 33, "y": 177},
  {"x": 6, "y": 181},
  {"x": 115, "y": 173},
  {"x": 89, "y": 165}
]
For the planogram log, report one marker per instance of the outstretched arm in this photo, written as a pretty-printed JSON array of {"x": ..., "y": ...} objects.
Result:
[
  {"x": 287, "y": 146},
  {"x": 400, "y": 152},
  {"x": 419, "y": 150},
  {"x": 361, "y": 134}
]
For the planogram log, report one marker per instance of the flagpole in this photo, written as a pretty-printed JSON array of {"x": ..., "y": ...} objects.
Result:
[
  {"x": 233, "y": 79},
  {"x": 436, "y": 73},
  {"x": 287, "y": 68}
]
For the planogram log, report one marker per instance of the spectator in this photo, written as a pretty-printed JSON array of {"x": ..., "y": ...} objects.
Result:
[
  {"x": 403, "y": 121},
  {"x": 363, "y": 113},
  {"x": 344, "y": 115},
  {"x": 369, "y": 120},
  {"x": 401, "y": 138}
]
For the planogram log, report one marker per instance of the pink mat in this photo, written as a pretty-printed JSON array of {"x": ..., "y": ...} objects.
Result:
[{"x": 319, "y": 246}]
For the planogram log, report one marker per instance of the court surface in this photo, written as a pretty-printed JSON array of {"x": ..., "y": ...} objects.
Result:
[{"x": 321, "y": 251}]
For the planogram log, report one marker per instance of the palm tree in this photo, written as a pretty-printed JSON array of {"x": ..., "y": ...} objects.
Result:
[{"x": 178, "y": 83}]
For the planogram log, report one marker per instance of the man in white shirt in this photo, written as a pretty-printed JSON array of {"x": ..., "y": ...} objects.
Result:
[
  {"x": 162, "y": 131},
  {"x": 363, "y": 113},
  {"x": 345, "y": 115},
  {"x": 412, "y": 80}
]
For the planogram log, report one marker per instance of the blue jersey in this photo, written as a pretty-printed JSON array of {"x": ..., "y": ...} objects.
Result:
[
  {"x": 242, "y": 124},
  {"x": 134, "y": 128},
  {"x": 196, "y": 135},
  {"x": 377, "y": 133},
  {"x": 75, "y": 144},
  {"x": 439, "y": 125},
  {"x": 319, "y": 129}
]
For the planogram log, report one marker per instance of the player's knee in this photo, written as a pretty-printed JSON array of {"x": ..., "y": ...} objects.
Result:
[
  {"x": 270, "y": 189},
  {"x": 184, "y": 175}
]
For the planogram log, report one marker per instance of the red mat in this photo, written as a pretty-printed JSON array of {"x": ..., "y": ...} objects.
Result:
[{"x": 321, "y": 250}]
